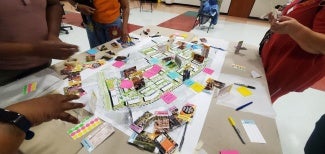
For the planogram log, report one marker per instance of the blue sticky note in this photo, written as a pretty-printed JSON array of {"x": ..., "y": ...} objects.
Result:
[
  {"x": 173, "y": 75},
  {"x": 92, "y": 51},
  {"x": 196, "y": 46},
  {"x": 188, "y": 46},
  {"x": 188, "y": 82},
  {"x": 154, "y": 60}
]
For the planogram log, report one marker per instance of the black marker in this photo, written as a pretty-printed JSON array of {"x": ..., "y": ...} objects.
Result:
[{"x": 247, "y": 86}]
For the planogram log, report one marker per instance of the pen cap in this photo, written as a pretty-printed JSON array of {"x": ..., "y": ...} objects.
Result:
[{"x": 232, "y": 122}]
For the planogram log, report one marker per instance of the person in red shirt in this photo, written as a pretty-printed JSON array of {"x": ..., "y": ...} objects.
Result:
[{"x": 293, "y": 56}]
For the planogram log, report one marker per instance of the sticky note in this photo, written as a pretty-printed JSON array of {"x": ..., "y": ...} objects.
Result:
[
  {"x": 173, "y": 75},
  {"x": 196, "y": 46},
  {"x": 156, "y": 68},
  {"x": 148, "y": 74},
  {"x": 188, "y": 82},
  {"x": 126, "y": 84},
  {"x": 118, "y": 64},
  {"x": 184, "y": 35},
  {"x": 197, "y": 87},
  {"x": 229, "y": 152},
  {"x": 29, "y": 88},
  {"x": 84, "y": 127},
  {"x": 154, "y": 61},
  {"x": 92, "y": 51},
  {"x": 168, "y": 97},
  {"x": 244, "y": 91},
  {"x": 208, "y": 70}
]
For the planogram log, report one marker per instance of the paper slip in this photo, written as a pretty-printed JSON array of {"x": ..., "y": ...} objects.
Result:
[
  {"x": 126, "y": 84},
  {"x": 252, "y": 131},
  {"x": 188, "y": 82},
  {"x": 197, "y": 87},
  {"x": 92, "y": 51},
  {"x": 97, "y": 136}
]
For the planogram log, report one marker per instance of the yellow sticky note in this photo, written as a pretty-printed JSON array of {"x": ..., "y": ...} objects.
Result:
[
  {"x": 244, "y": 91},
  {"x": 184, "y": 35},
  {"x": 197, "y": 87}
]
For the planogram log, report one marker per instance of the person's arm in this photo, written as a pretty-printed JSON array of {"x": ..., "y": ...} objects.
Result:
[
  {"x": 37, "y": 111},
  {"x": 125, "y": 15},
  {"x": 11, "y": 138},
  {"x": 309, "y": 40},
  {"x": 84, "y": 9},
  {"x": 54, "y": 49},
  {"x": 54, "y": 12}
]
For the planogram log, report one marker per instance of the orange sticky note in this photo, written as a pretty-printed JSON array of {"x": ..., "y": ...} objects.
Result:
[
  {"x": 244, "y": 91},
  {"x": 197, "y": 87}
]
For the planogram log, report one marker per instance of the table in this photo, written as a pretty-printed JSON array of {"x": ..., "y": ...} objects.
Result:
[{"x": 217, "y": 133}]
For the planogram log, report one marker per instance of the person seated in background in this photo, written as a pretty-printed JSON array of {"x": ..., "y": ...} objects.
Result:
[
  {"x": 102, "y": 20},
  {"x": 29, "y": 33},
  {"x": 16, "y": 119},
  {"x": 293, "y": 55},
  {"x": 210, "y": 7}
]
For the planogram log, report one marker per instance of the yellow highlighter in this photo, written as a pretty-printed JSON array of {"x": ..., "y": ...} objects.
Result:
[{"x": 233, "y": 124}]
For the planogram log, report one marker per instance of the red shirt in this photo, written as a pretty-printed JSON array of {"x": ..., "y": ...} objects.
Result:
[{"x": 287, "y": 66}]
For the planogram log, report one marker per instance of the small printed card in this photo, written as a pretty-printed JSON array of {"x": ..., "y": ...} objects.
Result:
[
  {"x": 252, "y": 131},
  {"x": 97, "y": 136}
]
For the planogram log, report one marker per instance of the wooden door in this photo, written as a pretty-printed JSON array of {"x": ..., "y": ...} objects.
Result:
[{"x": 240, "y": 8}]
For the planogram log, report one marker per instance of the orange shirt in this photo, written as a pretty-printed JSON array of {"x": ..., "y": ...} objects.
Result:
[{"x": 107, "y": 11}]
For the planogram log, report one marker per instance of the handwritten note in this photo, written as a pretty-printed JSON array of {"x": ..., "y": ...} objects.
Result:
[
  {"x": 208, "y": 70},
  {"x": 126, "y": 84},
  {"x": 118, "y": 64},
  {"x": 168, "y": 97}
]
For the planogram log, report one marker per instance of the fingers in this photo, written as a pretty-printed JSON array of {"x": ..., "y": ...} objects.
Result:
[
  {"x": 69, "y": 97},
  {"x": 70, "y": 105},
  {"x": 67, "y": 117}
]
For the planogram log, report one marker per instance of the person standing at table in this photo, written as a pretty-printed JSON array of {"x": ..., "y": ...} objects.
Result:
[
  {"x": 293, "y": 54},
  {"x": 102, "y": 21},
  {"x": 16, "y": 119},
  {"x": 29, "y": 31}
]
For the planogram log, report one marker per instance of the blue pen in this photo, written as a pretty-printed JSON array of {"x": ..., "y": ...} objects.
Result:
[
  {"x": 217, "y": 48},
  {"x": 243, "y": 106}
]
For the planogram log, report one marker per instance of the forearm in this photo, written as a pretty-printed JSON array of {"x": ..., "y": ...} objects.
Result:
[
  {"x": 125, "y": 15},
  {"x": 8, "y": 49},
  {"x": 54, "y": 14},
  {"x": 310, "y": 41},
  {"x": 11, "y": 138}
]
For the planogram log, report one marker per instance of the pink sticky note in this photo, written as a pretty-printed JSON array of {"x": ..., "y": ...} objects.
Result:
[
  {"x": 118, "y": 64},
  {"x": 126, "y": 84},
  {"x": 156, "y": 68},
  {"x": 149, "y": 73},
  {"x": 168, "y": 97},
  {"x": 229, "y": 152},
  {"x": 208, "y": 70}
]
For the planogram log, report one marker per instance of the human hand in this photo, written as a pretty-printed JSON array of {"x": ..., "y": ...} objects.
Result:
[
  {"x": 84, "y": 9},
  {"x": 46, "y": 108},
  {"x": 125, "y": 37},
  {"x": 54, "y": 49},
  {"x": 284, "y": 25}
]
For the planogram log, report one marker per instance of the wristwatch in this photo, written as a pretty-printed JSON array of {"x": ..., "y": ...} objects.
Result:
[{"x": 18, "y": 120}]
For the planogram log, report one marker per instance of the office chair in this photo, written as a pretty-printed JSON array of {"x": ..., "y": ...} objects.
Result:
[{"x": 209, "y": 10}]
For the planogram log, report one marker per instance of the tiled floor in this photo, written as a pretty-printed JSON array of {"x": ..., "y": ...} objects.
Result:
[{"x": 296, "y": 112}]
